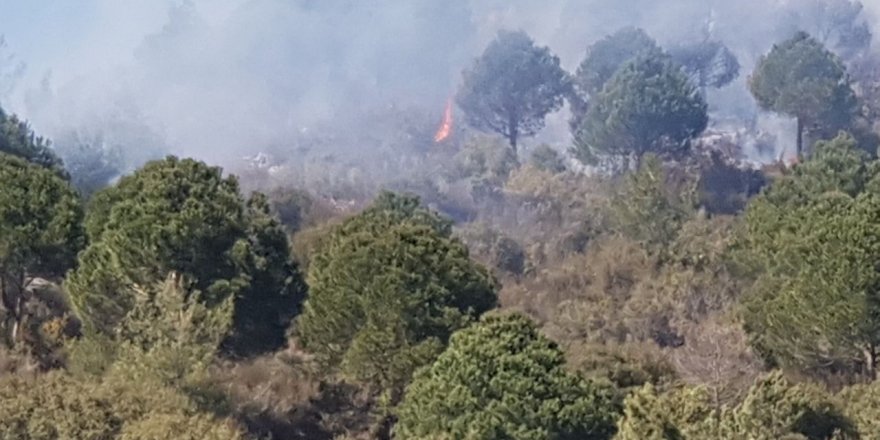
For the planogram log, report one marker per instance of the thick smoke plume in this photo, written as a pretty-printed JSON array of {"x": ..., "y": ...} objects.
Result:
[{"x": 222, "y": 79}]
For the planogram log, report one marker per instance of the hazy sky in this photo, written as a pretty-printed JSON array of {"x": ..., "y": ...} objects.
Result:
[
  {"x": 72, "y": 37},
  {"x": 232, "y": 76}
]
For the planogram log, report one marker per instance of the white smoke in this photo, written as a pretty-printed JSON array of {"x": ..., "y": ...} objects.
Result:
[{"x": 219, "y": 79}]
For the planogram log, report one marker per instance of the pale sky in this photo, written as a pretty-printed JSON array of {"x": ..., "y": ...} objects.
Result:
[{"x": 47, "y": 34}]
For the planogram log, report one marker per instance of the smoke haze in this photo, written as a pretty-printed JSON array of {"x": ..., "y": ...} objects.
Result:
[{"x": 220, "y": 79}]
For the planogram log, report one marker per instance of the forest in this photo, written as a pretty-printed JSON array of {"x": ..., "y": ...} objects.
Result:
[{"x": 671, "y": 271}]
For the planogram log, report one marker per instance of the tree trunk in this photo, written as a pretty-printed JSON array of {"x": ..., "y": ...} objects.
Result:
[
  {"x": 16, "y": 323},
  {"x": 870, "y": 354},
  {"x": 512, "y": 130},
  {"x": 513, "y": 138},
  {"x": 12, "y": 288},
  {"x": 800, "y": 137},
  {"x": 7, "y": 307}
]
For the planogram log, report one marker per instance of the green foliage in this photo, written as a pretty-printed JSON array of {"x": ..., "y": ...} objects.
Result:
[
  {"x": 604, "y": 58},
  {"x": 183, "y": 216},
  {"x": 512, "y": 87},
  {"x": 390, "y": 208},
  {"x": 725, "y": 187},
  {"x": 500, "y": 379},
  {"x": 54, "y": 407},
  {"x": 264, "y": 310},
  {"x": 484, "y": 164},
  {"x": 170, "y": 333},
  {"x": 152, "y": 378},
  {"x": 168, "y": 339},
  {"x": 838, "y": 165},
  {"x": 307, "y": 242},
  {"x": 773, "y": 409},
  {"x": 861, "y": 404},
  {"x": 815, "y": 305},
  {"x": 59, "y": 407},
  {"x": 627, "y": 366},
  {"x": 17, "y": 139},
  {"x": 677, "y": 414},
  {"x": 811, "y": 242},
  {"x": 497, "y": 250},
  {"x": 649, "y": 209},
  {"x": 708, "y": 63},
  {"x": 176, "y": 426},
  {"x": 485, "y": 158},
  {"x": 40, "y": 220},
  {"x": 291, "y": 206},
  {"x": 387, "y": 288},
  {"x": 546, "y": 158},
  {"x": 40, "y": 233},
  {"x": 90, "y": 356},
  {"x": 648, "y": 106},
  {"x": 298, "y": 210},
  {"x": 617, "y": 290},
  {"x": 509, "y": 256},
  {"x": 801, "y": 78}
]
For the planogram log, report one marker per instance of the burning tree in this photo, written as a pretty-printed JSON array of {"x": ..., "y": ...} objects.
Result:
[{"x": 512, "y": 87}]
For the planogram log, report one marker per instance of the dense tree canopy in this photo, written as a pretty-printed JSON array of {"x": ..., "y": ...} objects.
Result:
[
  {"x": 145, "y": 389},
  {"x": 647, "y": 210},
  {"x": 182, "y": 215},
  {"x": 169, "y": 334},
  {"x": 604, "y": 58},
  {"x": 18, "y": 139},
  {"x": 801, "y": 78},
  {"x": 812, "y": 240},
  {"x": 512, "y": 87},
  {"x": 387, "y": 289},
  {"x": 501, "y": 379},
  {"x": 649, "y": 105},
  {"x": 773, "y": 409},
  {"x": 674, "y": 285},
  {"x": 861, "y": 403},
  {"x": 40, "y": 232}
]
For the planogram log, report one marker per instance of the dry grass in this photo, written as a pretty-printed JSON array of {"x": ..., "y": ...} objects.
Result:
[
  {"x": 286, "y": 396},
  {"x": 270, "y": 394},
  {"x": 17, "y": 362},
  {"x": 716, "y": 355}
]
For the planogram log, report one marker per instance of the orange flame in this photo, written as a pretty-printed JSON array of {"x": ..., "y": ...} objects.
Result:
[{"x": 446, "y": 128}]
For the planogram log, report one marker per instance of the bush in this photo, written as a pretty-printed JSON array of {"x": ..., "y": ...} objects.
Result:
[
  {"x": 546, "y": 158},
  {"x": 59, "y": 407},
  {"x": 18, "y": 139},
  {"x": 500, "y": 379},
  {"x": 494, "y": 248},
  {"x": 773, "y": 409},
  {"x": 387, "y": 288},
  {"x": 184, "y": 216}
]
